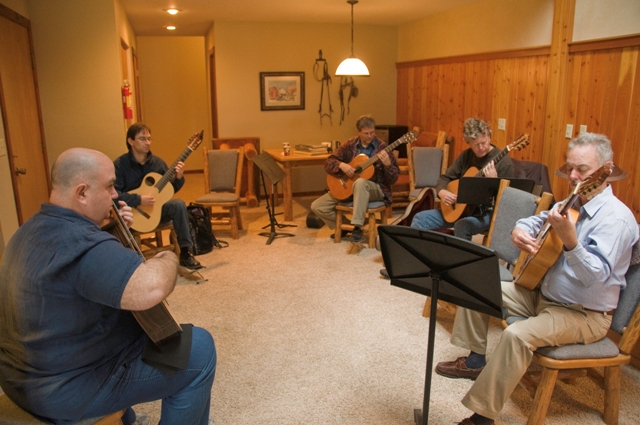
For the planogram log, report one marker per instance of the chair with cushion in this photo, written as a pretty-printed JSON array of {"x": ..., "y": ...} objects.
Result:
[
  {"x": 11, "y": 413},
  {"x": 426, "y": 164},
  {"x": 600, "y": 361},
  {"x": 511, "y": 205},
  {"x": 370, "y": 226},
  {"x": 222, "y": 183}
]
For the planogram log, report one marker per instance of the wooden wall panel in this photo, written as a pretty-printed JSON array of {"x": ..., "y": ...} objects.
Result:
[{"x": 602, "y": 92}]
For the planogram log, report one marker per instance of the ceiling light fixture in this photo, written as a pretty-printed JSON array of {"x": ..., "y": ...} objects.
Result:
[
  {"x": 352, "y": 65},
  {"x": 172, "y": 11},
  {"x": 171, "y": 27}
]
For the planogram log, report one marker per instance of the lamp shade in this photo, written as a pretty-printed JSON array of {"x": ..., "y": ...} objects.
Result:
[
  {"x": 616, "y": 174},
  {"x": 352, "y": 66}
]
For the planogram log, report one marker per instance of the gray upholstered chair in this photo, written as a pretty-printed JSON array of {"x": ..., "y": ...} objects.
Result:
[
  {"x": 511, "y": 205},
  {"x": 222, "y": 184},
  {"x": 11, "y": 414}
]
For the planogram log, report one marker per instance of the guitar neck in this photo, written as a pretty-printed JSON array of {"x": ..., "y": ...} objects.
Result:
[
  {"x": 494, "y": 160},
  {"x": 388, "y": 149},
  {"x": 171, "y": 172}
]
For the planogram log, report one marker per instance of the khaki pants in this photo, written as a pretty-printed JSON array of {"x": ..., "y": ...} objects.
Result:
[
  {"x": 364, "y": 191},
  {"x": 548, "y": 324}
]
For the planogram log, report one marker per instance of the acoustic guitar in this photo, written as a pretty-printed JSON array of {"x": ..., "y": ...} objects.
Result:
[
  {"x": 147, "y": 218},
  {"x": 424, "y": 201},
  {"x": 342, "y": 187},
  {"x": 456, "y": 210},
  {"x": 531, "y": 268}
]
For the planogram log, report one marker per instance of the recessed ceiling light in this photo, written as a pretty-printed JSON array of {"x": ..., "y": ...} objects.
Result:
[
  {"x": 172, "y": 11},
  {"x": 171, "y": 27}
]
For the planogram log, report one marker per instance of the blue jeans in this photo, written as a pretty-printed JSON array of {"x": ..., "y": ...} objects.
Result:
[
  {"x": 464, "y": 228},
  {"x": 185, "y": 394}
]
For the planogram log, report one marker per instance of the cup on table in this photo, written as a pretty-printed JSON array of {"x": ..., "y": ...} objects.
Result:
[{"x": 286, "y": 149}]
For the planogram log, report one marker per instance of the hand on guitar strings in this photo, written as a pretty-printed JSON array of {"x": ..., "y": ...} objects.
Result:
[
  {"x": 524, "y": 241},
  {"x": 446, "y": 197},
  {"x": 383, "y": 156},
  {"x": 147, "y": 200},
  {"x": 347, "y": 169},
  {"x": 125, "y": 212},
  {"x": 564, "y": 226}
]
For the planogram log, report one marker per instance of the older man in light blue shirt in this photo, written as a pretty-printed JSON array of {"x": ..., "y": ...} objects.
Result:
[{"x": 575, "y": 299}]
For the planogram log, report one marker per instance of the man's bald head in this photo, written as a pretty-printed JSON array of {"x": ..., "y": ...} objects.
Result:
[{"x": 74, "y": 166}]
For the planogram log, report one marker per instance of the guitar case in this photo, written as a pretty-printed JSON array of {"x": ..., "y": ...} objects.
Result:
[{"x": 313, "y": 221}]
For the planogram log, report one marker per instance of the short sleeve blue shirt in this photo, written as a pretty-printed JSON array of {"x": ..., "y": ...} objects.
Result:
[{"x": 62, "y": 333}]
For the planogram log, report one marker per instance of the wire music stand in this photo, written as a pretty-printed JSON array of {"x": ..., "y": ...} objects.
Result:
[
  {"x": 443, "y": 267},
  {"x": 274, "y": 173}
]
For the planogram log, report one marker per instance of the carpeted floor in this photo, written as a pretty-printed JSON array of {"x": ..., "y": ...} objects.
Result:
[{"x": 309, "y": 334}]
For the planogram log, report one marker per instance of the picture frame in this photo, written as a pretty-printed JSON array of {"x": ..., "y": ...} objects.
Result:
[{"x": 280, "y": 91}]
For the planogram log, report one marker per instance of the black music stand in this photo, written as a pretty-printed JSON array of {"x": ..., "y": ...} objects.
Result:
[
  {"x": 274, "y": 173},
  {"x": 483, "y": 190},
  {"x": 444, "y": 267}
]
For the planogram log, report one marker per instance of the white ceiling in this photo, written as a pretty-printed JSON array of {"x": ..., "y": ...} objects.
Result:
[{"x": 148, "y": 17}]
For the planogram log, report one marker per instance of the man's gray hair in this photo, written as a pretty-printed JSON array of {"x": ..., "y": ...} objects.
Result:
[
  {"x": 600, "y": 141},
  {"x": 474, "y": 128},
  {"x": 365, "y": 121}
]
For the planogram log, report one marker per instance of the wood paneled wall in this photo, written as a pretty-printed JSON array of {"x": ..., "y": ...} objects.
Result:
[{"x": 603, "y": 93}]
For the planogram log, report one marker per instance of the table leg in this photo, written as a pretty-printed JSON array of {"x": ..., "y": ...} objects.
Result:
[{"x": 287, "y": 195}]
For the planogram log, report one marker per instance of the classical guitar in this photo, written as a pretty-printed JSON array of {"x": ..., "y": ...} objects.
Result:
[
  {"x": 147, "y": 218},
  {"x": 342, "y": 187},
  {"x": 455, "y": 211},
  {"x": 157, "y": 322},
  {"x": 531, "y": 268},
  {"x": 424, "y": 201}
]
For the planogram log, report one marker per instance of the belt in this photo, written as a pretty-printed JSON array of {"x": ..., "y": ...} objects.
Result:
[{"x": 606, "y": 313}]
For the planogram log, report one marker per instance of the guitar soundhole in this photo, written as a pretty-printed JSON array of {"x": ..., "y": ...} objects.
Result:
[{"x": 149, "y": 181}]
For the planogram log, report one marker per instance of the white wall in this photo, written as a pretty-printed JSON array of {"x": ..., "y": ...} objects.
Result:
[{"x": 596, "y": 19}]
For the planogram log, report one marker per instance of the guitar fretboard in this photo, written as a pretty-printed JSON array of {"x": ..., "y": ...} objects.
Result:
[{"x": 410, "y": 136}]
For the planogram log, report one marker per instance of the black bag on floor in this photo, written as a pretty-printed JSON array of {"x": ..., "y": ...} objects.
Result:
[{"x": 201, "y": 233}]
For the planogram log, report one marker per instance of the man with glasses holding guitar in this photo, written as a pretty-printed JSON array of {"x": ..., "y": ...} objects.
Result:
[
  {"x": 344, "y": 177},
  {"x": 574, "y": 298},
  {"x": 131, "y": 171}
]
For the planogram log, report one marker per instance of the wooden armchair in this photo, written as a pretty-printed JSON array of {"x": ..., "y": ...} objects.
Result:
[
  {"x": 222, "y": 183},
  {"x": 600, "y": 361}
]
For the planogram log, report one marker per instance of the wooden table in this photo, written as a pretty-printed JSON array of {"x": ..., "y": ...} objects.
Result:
[{"x": 287, "y": 163}]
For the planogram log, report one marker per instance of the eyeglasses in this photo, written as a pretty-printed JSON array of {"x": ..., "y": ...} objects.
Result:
[{"x": 144, "y": 139}]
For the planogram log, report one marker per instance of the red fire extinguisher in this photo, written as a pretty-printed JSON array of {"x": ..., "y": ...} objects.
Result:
[{"x": 126, "y": 101}]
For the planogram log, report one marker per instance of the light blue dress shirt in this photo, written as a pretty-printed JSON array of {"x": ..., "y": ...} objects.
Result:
[{"x": 591, "y": 274}]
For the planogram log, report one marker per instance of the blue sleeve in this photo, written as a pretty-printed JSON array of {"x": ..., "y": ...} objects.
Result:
[{"x": 105, "y": 270}]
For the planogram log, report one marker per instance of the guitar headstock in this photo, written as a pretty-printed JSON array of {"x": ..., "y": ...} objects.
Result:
[
  {"x": 409, "y": 137},
  {"x": 195, "y": 140},
  {"x": 591, "y": 186},
  {"x": 521, "y": 142}
]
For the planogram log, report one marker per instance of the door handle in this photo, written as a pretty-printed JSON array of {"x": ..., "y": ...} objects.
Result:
[{"x": 20, "y": 171}]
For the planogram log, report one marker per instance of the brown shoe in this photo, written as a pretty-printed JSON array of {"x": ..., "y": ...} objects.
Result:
[
  {"x": 457, "y": 369},
  {"x": 468, "y": 421}
]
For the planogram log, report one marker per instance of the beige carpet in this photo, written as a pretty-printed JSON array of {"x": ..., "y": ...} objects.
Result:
[{"x": 307, "y": 334}]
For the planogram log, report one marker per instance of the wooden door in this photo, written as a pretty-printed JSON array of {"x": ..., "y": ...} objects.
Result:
[{"x": 21, "y": 114}]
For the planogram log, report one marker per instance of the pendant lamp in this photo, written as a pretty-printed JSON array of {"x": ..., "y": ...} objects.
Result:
[{"x": 352, "y": 65}]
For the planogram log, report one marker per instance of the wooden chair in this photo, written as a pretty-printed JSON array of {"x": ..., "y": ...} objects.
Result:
[
  {"x": 371, "y": 225},
  {"x": 155, "y": 241},
  {"x": 11, "y": 413},
  {"x": 404, "y": 190},
  {"x": 426, "y": 164},
  {"x": 600, "y": 361},
  {"x": 222, "y": 184}
]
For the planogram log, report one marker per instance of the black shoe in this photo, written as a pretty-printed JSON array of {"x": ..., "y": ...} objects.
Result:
[
  {"x": 356, "y": 235},
  {"x": 189, "y": 261},
  {"x": 343, "y": 233},
  {"x": 383, "y": 273}
]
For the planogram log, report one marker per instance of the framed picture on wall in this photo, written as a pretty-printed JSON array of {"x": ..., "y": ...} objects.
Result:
[{"x": 281, "y": 91}]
